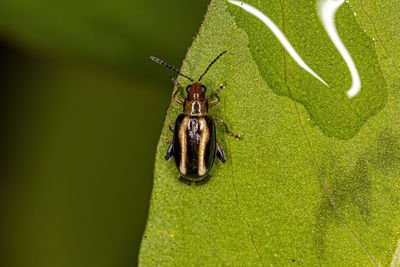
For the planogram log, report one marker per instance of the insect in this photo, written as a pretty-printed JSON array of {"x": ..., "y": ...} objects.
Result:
[{"x": 194, "y": 144}]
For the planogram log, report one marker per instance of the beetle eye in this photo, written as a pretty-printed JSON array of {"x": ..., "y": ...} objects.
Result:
[
  {"x": 188, "y": 89},
  {"x": 203, "y": 89}
]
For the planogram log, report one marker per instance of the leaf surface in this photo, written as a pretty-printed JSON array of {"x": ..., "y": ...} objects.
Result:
[{"x": 315, "y": 177}]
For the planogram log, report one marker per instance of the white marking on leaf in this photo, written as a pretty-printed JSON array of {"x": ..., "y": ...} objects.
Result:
[
  {"x": 327, "y": 10},
  {"x": 278, "y": 33}
]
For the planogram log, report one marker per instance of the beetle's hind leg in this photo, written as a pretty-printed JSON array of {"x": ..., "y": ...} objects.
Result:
[
  {"x": 170, "y": 150},
  {"x": 220, "y": 153},
  {"x": 185, "y": 181},
  {"x": 204, "y": 180}
]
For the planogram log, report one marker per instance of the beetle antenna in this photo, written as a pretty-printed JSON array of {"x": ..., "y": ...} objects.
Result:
[
  {"x": 159, "y": 61},
  {"x": 226, "y": 51}
]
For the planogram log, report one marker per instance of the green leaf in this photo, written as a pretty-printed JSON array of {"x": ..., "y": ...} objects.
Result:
[{"x": 315, "y": 177}]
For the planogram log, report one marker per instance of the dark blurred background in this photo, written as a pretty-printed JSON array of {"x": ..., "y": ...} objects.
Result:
[{"x": 82, "y": 108}]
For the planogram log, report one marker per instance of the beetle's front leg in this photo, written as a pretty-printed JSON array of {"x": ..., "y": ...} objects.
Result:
[
  {"x": 178, "y": 87},
  {"x": 237, "y": 136},
  {"x": 216, "y": 102},
  {"x": 170, "y": 149},
  {"x": 220, "y": 153}
]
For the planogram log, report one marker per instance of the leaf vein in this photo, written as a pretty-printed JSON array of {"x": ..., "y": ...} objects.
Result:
[{"x": 240, "y": 208}]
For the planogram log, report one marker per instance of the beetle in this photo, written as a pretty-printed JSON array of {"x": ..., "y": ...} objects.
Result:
[{"x": 194, "y": 144}]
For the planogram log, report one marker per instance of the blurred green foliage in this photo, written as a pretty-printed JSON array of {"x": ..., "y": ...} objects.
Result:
[{"x": 82, "y": 108}]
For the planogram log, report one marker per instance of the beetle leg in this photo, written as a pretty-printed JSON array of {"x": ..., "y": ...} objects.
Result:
[
  {"x": 220, "y": 153},
  {"x": 185, "y": 181},
  {"x": 178, "y": 87},
  {"x": 237, "y": 136},
  {"x": 216, "y": 102},
  {"x": 204, "y": 180},
  {"x": 170, "y": 150},
  {"x": 171, "y": 126}
]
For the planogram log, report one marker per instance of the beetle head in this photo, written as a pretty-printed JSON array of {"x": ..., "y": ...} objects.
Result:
[{"x": 196, "y": 91}]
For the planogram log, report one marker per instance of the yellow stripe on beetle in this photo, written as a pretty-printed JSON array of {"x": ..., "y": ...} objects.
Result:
[
  {"x": 183, "y": 141},
  {"x": 205, "y": 136}
]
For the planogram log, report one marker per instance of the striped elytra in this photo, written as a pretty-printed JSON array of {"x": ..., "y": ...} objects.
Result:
[{"x": 194, "y": 146}]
